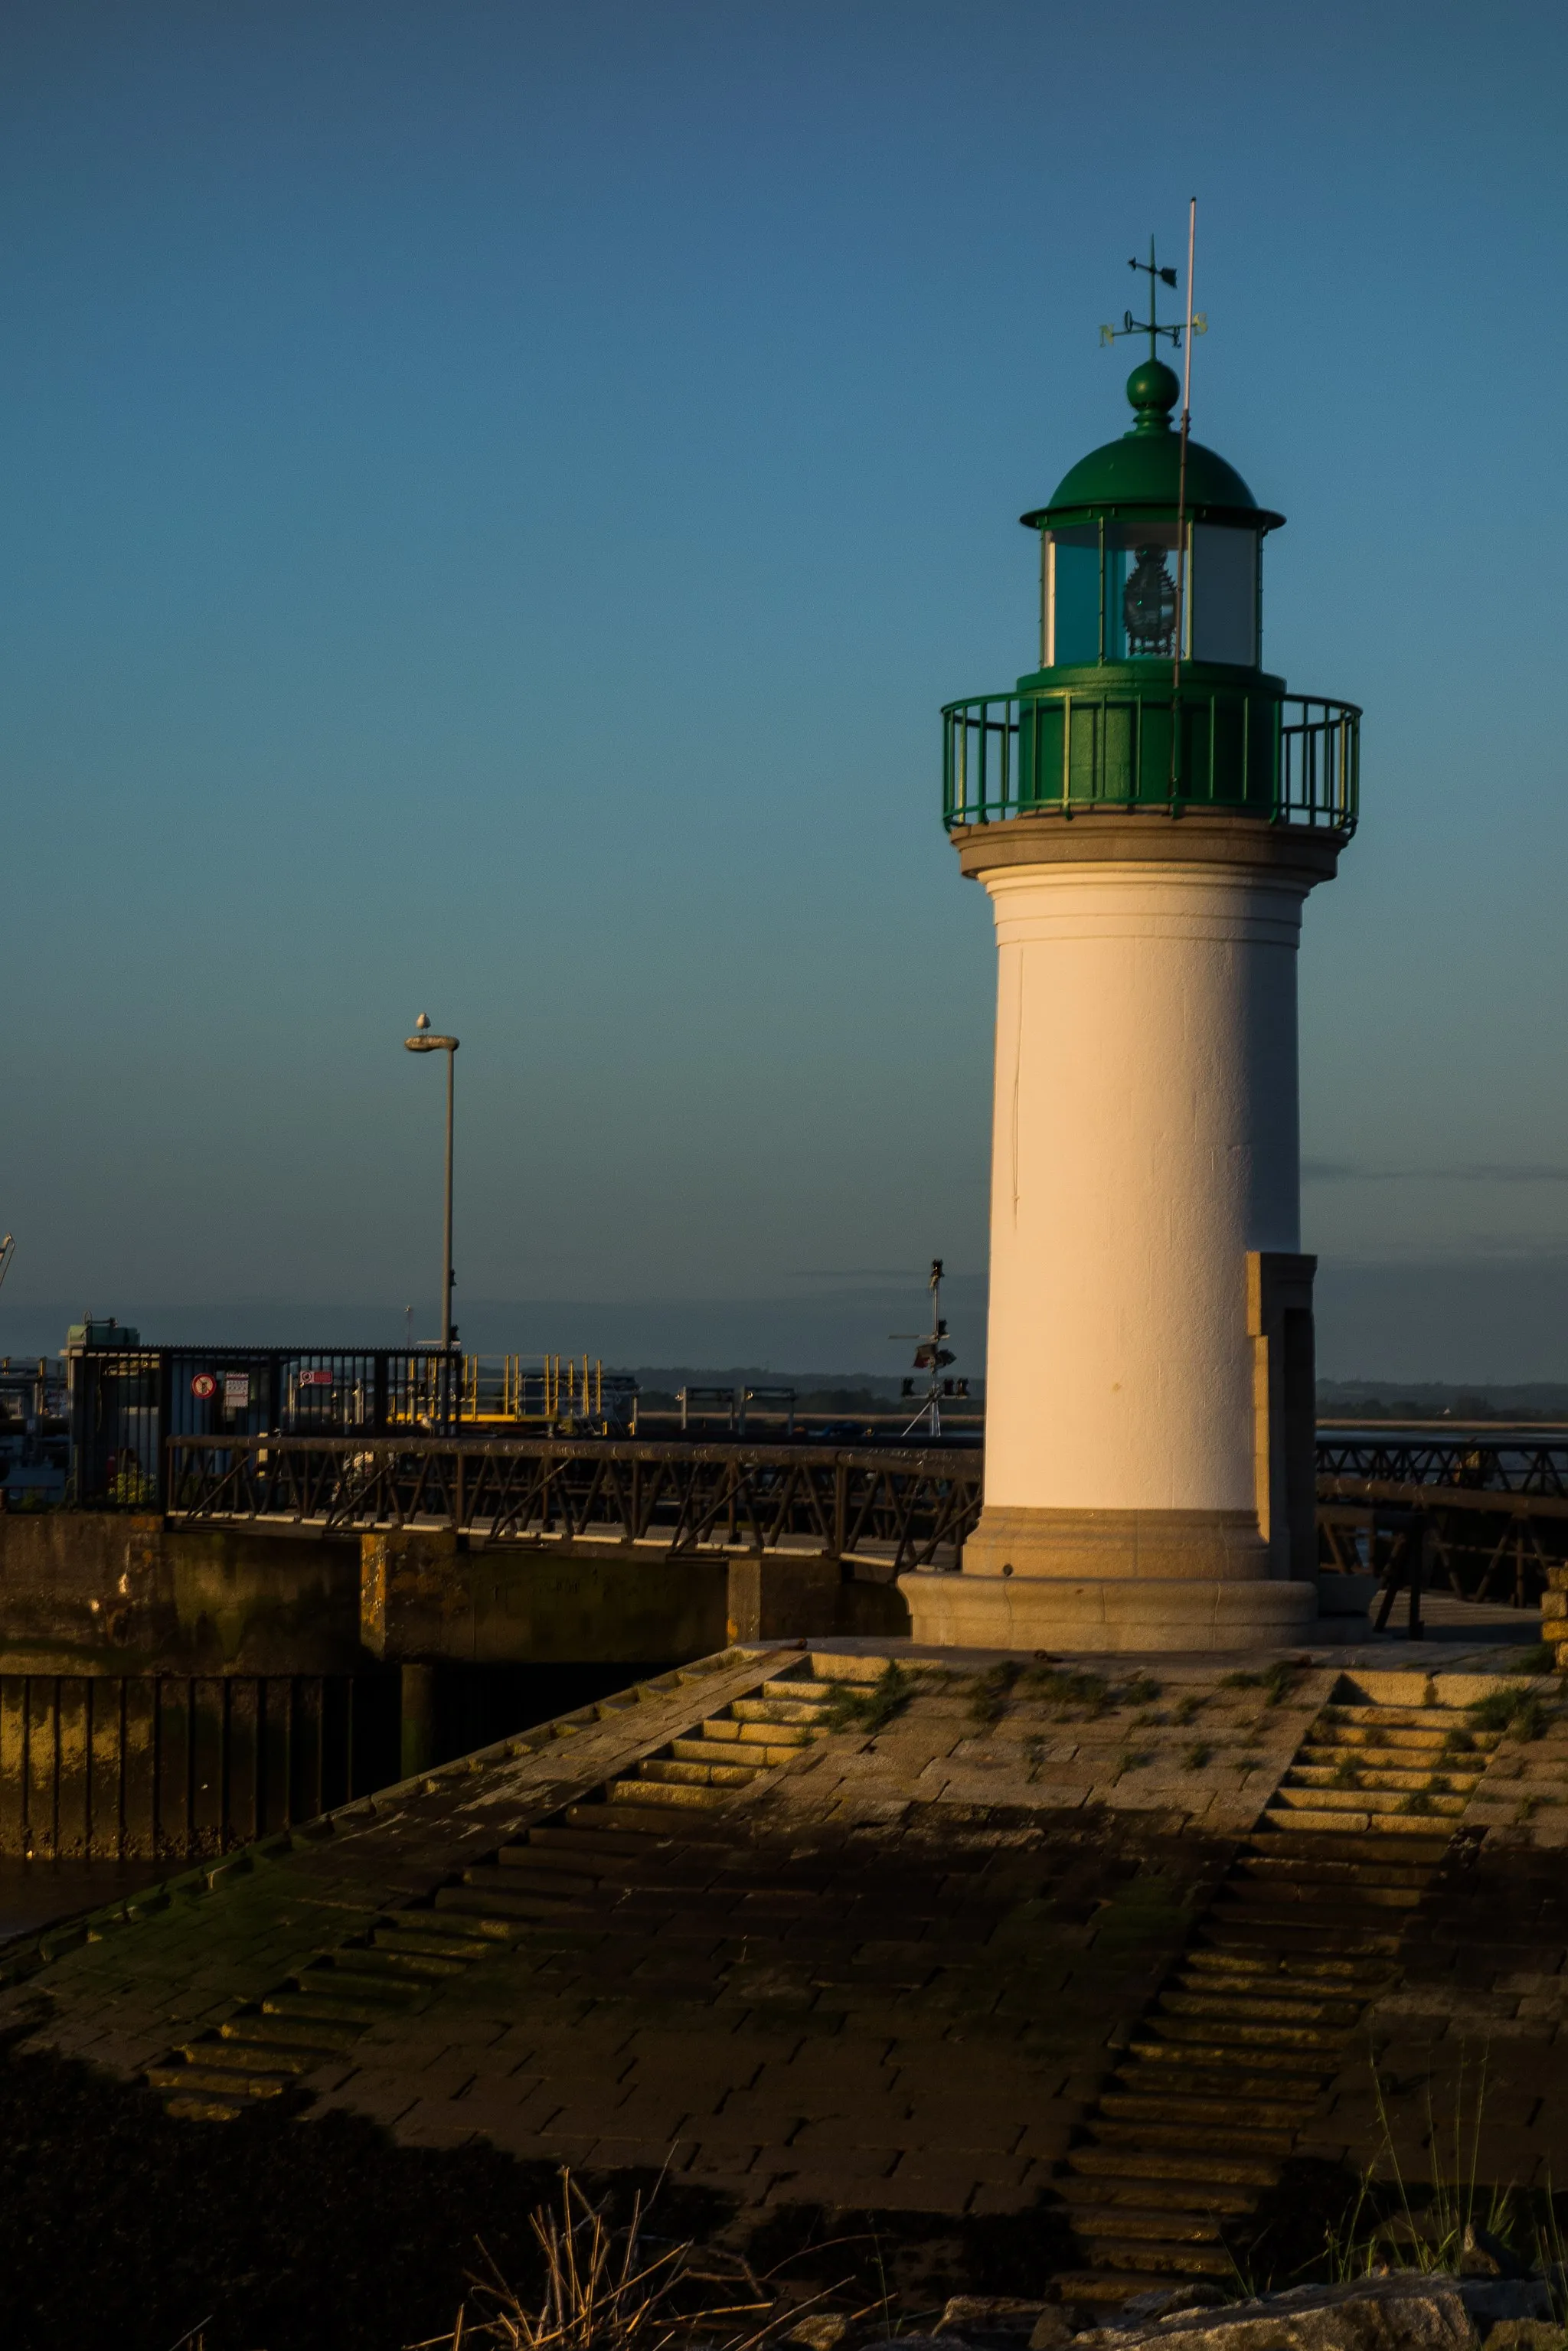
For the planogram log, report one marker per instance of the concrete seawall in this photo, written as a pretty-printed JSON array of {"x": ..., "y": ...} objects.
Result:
[
  {"x": 125, "y": 1592},
  {"x": 169, "y": 1690}
]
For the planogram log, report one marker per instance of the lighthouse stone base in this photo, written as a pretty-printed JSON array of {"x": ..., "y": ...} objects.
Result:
[
  {"x": 1117, "y": 1580},
  {"x": 1107, "y": 1612}
]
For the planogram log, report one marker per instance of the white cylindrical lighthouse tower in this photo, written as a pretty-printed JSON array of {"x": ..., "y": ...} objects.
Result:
[{"x": 1147, "y": 813}]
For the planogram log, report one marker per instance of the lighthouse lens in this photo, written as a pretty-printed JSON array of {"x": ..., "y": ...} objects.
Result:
[
  {"x": 1149, "y": 604},
  {"x": 1140, "y": 591}
]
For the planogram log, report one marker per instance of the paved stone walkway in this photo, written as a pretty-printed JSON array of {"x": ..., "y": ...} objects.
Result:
[
  {"x": 889, "y": 1971},
  {"x": 195, "y": 1949}
]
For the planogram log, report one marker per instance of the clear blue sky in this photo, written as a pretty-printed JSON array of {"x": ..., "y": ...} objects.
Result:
[{"x": 492, "y": 498}]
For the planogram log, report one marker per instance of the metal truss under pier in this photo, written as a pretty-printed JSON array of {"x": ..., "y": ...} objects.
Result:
[
  {"x": 1498, "y": 1507},
  {"x": 912, "y": 1507},
  {"x": 1517, "y": 1464}
]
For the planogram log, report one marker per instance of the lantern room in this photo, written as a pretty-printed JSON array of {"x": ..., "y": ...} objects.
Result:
[
  {"x": 1143, "y": 559},
  {"x": 1150, "y": 692}
]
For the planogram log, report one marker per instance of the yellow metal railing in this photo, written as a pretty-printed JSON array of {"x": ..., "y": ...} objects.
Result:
[{"x": 546, "y": 1388}]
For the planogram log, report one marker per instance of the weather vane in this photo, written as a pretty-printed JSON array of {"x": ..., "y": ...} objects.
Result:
[{"x": 1151, "y": 326}]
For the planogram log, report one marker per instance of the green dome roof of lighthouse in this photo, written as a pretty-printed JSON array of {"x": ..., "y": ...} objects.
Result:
[{"x": 1141, "y": 473}]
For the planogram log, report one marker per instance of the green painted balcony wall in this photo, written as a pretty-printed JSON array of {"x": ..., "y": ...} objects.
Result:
[{"x": 1109, "y": 737}]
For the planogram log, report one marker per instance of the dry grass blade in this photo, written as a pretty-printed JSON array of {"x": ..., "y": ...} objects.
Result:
[{"x": 601, "y": 2292}]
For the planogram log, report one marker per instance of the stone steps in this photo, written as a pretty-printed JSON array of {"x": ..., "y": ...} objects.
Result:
[
  {"x": 1167, "y": 2230},
  {"x": 759, "y": 1754},
  {"x": 1221, "y": 2056},
  {"x": 1390, "y": 1873},
  {"x": 1275, "y": 1900},
  {"x": 577, "y": 1846},
  {"x": 236, "y": 2086},
  {"x": 289, "y": 2031},
  {"x": 763, "y": 1725},
  {"x": 485, "y": 1894},
  {"x": 1271, "y": 1838},
  {"x": 1187, "y": 2135},
  {"x": 779, "y": 1709},
  {"x": 344, "y": 1969},
  {"x": 1113, "y": 2286},
  {"x": 263, "y": 2058},
  {"x": 1379, "y": 1803},
  {"x": 1285, "y": 1936},
  {"x": 1389, "y": 1823},
  {"x": 1263, "y": 2009},
  {"x": 1382, "y": 1778},
  {"x": 1143, "y": 2198},
  {"x": 567, "y": 1874},
  {"x": 1375, "y": 1755},
  {"x": 1236, "y": 2087},
  {"x": 1436, "y": 1722},
  {"x": 1238, "y": 1965},
  {"x": 667, "y": 1771},
  {"x": 534, "y": 1881},
  {"x": 662, "y": 1795},
  {"x": 1170, "y": 2020},
  {"x": 443, "y": 1940},
  {"x": 1138, "y": 2107},
  {"x": 401, "y": 1957},
  {"x": 312, "y": 2008},
  {"x": 679, "y": 1823},
  {"x": 1111, "y": 2162},
  {"x": 1229, "y": 2058}
]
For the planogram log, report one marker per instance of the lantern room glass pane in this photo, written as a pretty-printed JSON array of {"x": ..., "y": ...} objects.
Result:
[
  {"x": 1073, "y": 596},
  {"x": 1140, "y": 591},
  {"x": 1224, "y": 623}
]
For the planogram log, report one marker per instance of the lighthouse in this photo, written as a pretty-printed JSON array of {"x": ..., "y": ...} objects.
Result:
[{"x": 1147, "y": 812}]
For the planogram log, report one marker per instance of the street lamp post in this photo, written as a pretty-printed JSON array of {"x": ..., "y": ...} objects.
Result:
[{"x": 422, "y": 1041}]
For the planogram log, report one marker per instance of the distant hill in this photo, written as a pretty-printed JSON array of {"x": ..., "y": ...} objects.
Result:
[{"x": 1441, "y": 1400}]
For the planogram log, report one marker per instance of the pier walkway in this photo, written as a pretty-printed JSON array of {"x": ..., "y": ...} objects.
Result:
[{"x": 813, "y": 1936}]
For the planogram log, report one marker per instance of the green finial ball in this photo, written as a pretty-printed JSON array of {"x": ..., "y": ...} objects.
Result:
[{"x": 1154, "y": 391}]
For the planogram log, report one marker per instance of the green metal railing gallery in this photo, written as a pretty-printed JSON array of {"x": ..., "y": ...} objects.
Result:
[{"x": 1293, "y": 759}]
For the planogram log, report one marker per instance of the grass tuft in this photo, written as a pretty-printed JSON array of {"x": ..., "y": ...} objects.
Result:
[
  {"x": 1065, "y": 1691},
  {"x": 1451, "y": 2224},
  {"x": 1280, "y": 1681},
  {"x": 1516, "y": 1711},
  {"x": 990, "y": 1693},
  {"x": 1540, "y": 1657},
  {"x": 848, "y": 1709},
  {"x": 1276, "y": 1684}
]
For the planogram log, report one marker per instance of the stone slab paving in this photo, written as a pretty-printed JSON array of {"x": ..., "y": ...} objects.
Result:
[
  {"x": 196, "y": 1948},
  {"x": 891, "y": 1973},
  {"x": 886, "y": 1973}
]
